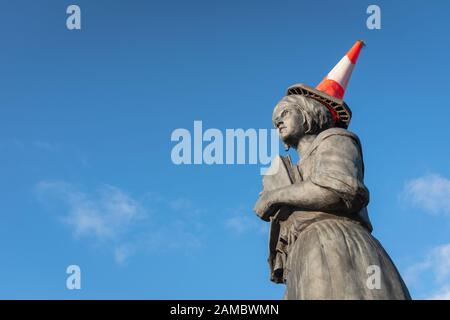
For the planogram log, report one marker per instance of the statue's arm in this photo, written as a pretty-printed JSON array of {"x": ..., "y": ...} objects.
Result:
[
  {"x": 308, "y": 196},
  {"x": 336, "y": 184},
  {"x": 305, "y": 196}
]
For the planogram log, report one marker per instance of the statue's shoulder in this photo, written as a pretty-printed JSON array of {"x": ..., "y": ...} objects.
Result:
[
  {"x": 327, "y": 138},
  {"x": 336, "y": 132}
]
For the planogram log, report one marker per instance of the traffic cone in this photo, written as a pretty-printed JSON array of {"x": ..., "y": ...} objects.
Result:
[
  {"x": 330, "y": 92},
  {"x": 335, "y": 83}
]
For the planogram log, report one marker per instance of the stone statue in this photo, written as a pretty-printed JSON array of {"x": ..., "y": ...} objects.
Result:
[{"x": 320, "y": 244}]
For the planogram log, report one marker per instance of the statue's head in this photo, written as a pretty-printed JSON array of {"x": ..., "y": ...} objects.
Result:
[{"x": 295, "y": 116}]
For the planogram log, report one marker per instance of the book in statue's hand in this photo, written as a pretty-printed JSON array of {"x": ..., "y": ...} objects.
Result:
[{"x": 280, "y": 174}]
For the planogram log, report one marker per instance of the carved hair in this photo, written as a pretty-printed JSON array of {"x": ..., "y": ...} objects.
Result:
[{"x": 316, "y": 117}]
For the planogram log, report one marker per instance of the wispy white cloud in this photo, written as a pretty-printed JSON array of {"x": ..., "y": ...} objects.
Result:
[
  {"x": 185, "y": 207},
  {"x": 433, "y": 269},
  {"x": 123, "y": 252},
  {"x": 181, "y": 204},
  {"x": 105, "y": 214},
  {"x": 430, "y": 193},
  {"x": 443, "y": 294},
  {"x": 242, "y": 222},
  {"x": 126, "y": 224}
]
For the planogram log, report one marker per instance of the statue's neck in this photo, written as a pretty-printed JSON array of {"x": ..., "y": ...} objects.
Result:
[{"x": 304, "y": 143}]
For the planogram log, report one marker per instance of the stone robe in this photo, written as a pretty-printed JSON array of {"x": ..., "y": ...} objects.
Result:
[{"x": 331, "y": 255}]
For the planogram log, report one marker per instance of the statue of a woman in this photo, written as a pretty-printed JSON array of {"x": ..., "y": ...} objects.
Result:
[{"x": 323, "y": 246}]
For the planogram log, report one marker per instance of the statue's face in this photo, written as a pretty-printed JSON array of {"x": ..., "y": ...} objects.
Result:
[{"x": 289, "y": 122}]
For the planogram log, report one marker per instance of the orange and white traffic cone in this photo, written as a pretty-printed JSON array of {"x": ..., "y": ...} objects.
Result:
[
  {"x": 330, "y": 92},
  {"x": 335, "y": 83}
]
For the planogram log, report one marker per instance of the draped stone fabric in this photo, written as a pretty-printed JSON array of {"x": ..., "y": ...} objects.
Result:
[{"x": 328, "y": 255}]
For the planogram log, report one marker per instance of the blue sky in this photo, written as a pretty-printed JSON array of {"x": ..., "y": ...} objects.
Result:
[{"x": 86, "y": 118}]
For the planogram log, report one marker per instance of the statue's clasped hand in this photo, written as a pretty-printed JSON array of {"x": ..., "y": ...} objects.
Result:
[{"x": 264, "y": 205}]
